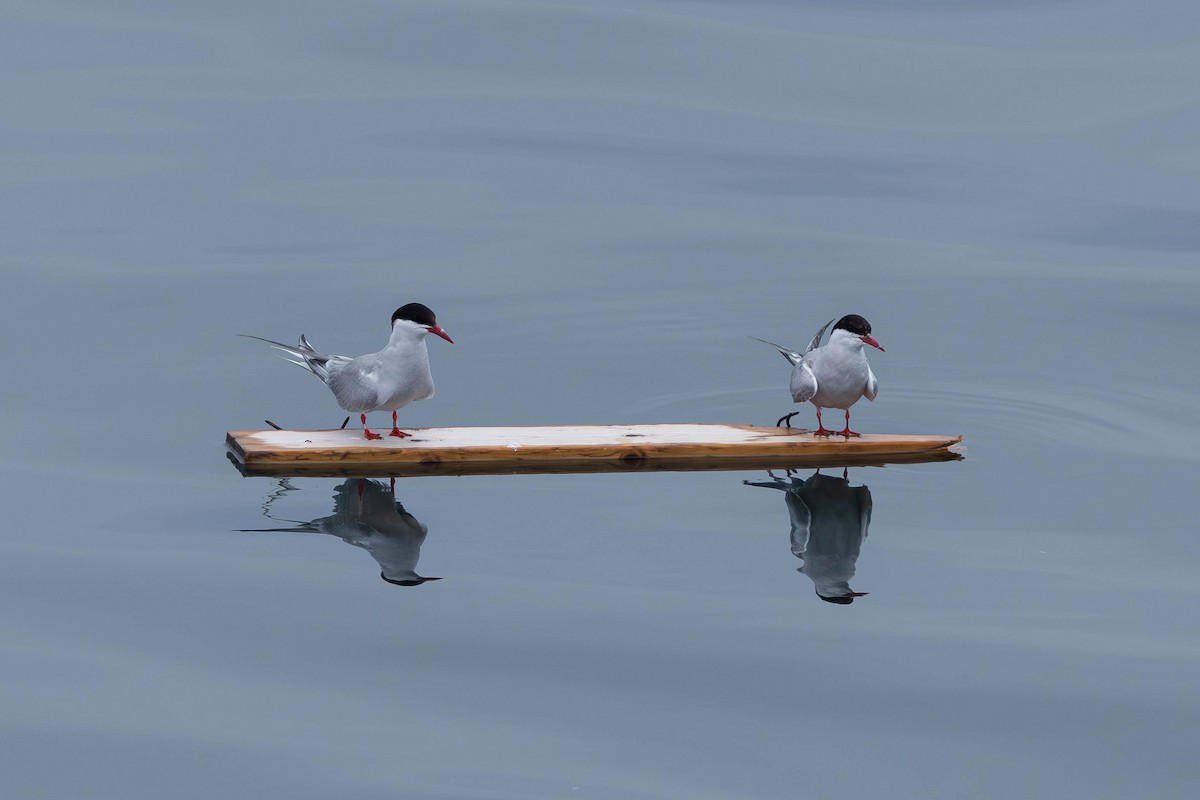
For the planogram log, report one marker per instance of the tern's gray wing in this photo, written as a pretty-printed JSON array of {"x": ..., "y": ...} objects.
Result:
[
  {"x": 801, "y": 517},
  {"x": 864, "y": 508},
  {"x": 816, "y": 340},
  {"x": 804, "y": 383},
  {"x": 355, "y": 383},
  {"x": 872, "y": 387}
]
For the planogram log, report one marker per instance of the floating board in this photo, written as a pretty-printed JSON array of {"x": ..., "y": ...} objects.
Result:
[{"x": 568, "y": 448}]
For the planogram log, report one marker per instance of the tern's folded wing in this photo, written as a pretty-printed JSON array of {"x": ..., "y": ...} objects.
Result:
[
  {"x": 872, "y": 387},
  {"x": 801, "y": 517},
  {"x": 864, "y": 509},
  {"x": 804, "y": 383},
  {"x": 355, "y": 386}
]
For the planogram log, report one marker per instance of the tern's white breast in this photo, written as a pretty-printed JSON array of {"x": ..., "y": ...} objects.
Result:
[
  {"x": 841, "y": 372},
  {"x": 404, "y": 375}
]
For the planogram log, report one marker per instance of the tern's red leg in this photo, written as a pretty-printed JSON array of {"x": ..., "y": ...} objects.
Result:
[
  {"x": 821, "y": 429},
  {"x": 396, "y": 431},
  {"x": 366, "y": 432},
  {"x": 846, "y": 431}
]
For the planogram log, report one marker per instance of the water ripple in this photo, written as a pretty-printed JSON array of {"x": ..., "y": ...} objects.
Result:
[{"x": 1143, "y": 423}]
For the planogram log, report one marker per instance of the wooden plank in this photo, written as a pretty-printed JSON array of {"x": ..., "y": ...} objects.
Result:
[{"x": 568, "y": 448}]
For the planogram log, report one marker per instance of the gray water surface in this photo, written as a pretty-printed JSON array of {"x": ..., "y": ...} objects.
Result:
[{"x": 602, "y": 202}]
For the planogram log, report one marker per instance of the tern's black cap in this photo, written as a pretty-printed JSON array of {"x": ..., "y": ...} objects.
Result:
[
  {"x": 853, "y": 323},
  {"x": 420, "y": 314},
  {"x": 841, "y": 601}
]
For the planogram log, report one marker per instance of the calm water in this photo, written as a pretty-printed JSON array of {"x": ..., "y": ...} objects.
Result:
[{"x": 602, "y": 201}]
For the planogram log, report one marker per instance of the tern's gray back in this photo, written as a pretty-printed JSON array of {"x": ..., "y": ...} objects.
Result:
[
  {"x": 354, "y": 385},
  {"x": 804, "y": 383}
]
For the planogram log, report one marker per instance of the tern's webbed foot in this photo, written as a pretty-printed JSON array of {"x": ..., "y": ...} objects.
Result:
[
  {"x": 399, "y": 434},
  {"x": 823, "y": 431},
  {"x": 366, "y": 431},
  {"x": 848, "y": 433}
]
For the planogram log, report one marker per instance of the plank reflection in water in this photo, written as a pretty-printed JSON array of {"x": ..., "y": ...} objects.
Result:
[
  {"x": 366, "y": 515},
  {"x": 829, "y": 520}
]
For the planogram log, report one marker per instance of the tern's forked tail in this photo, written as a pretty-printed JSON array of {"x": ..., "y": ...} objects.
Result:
[
  {"x": 312, "y": 360},
  {"x": 791, "y": 355}
]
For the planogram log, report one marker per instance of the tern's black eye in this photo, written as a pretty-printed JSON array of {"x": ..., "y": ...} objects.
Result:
[
  {"x": 416, "y": 312},
  {"x": 853, "y": 323}
]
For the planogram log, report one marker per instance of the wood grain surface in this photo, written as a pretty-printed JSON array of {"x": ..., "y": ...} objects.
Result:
[{"x": 569, "y": 448}]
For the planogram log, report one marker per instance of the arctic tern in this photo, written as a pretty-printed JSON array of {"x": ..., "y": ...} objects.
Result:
[
  {"x": 366, "y": 515},
  {"x": 829, "y": 519},
  {"x": 384, "y": 381},
  {"x": 833, "y": 375}
]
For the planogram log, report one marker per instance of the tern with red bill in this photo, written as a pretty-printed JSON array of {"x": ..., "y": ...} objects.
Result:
[
  {"x": 833, "y": 375},
  {"x": 384, "y": 381}
]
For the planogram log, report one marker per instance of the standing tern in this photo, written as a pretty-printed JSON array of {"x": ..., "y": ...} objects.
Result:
[
  {"x": 384, "y": 381},
  {"x": 833, "y": 375}
]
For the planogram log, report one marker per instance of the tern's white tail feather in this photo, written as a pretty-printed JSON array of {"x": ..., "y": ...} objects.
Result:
[
  {"x": 315, "y": 362},
  {"x": 791, "y": 355}
]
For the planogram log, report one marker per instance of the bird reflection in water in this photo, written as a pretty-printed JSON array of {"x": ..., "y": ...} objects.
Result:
[
  {"x": 829, "y": 522},
  {"x": 366, "y": 515}
]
